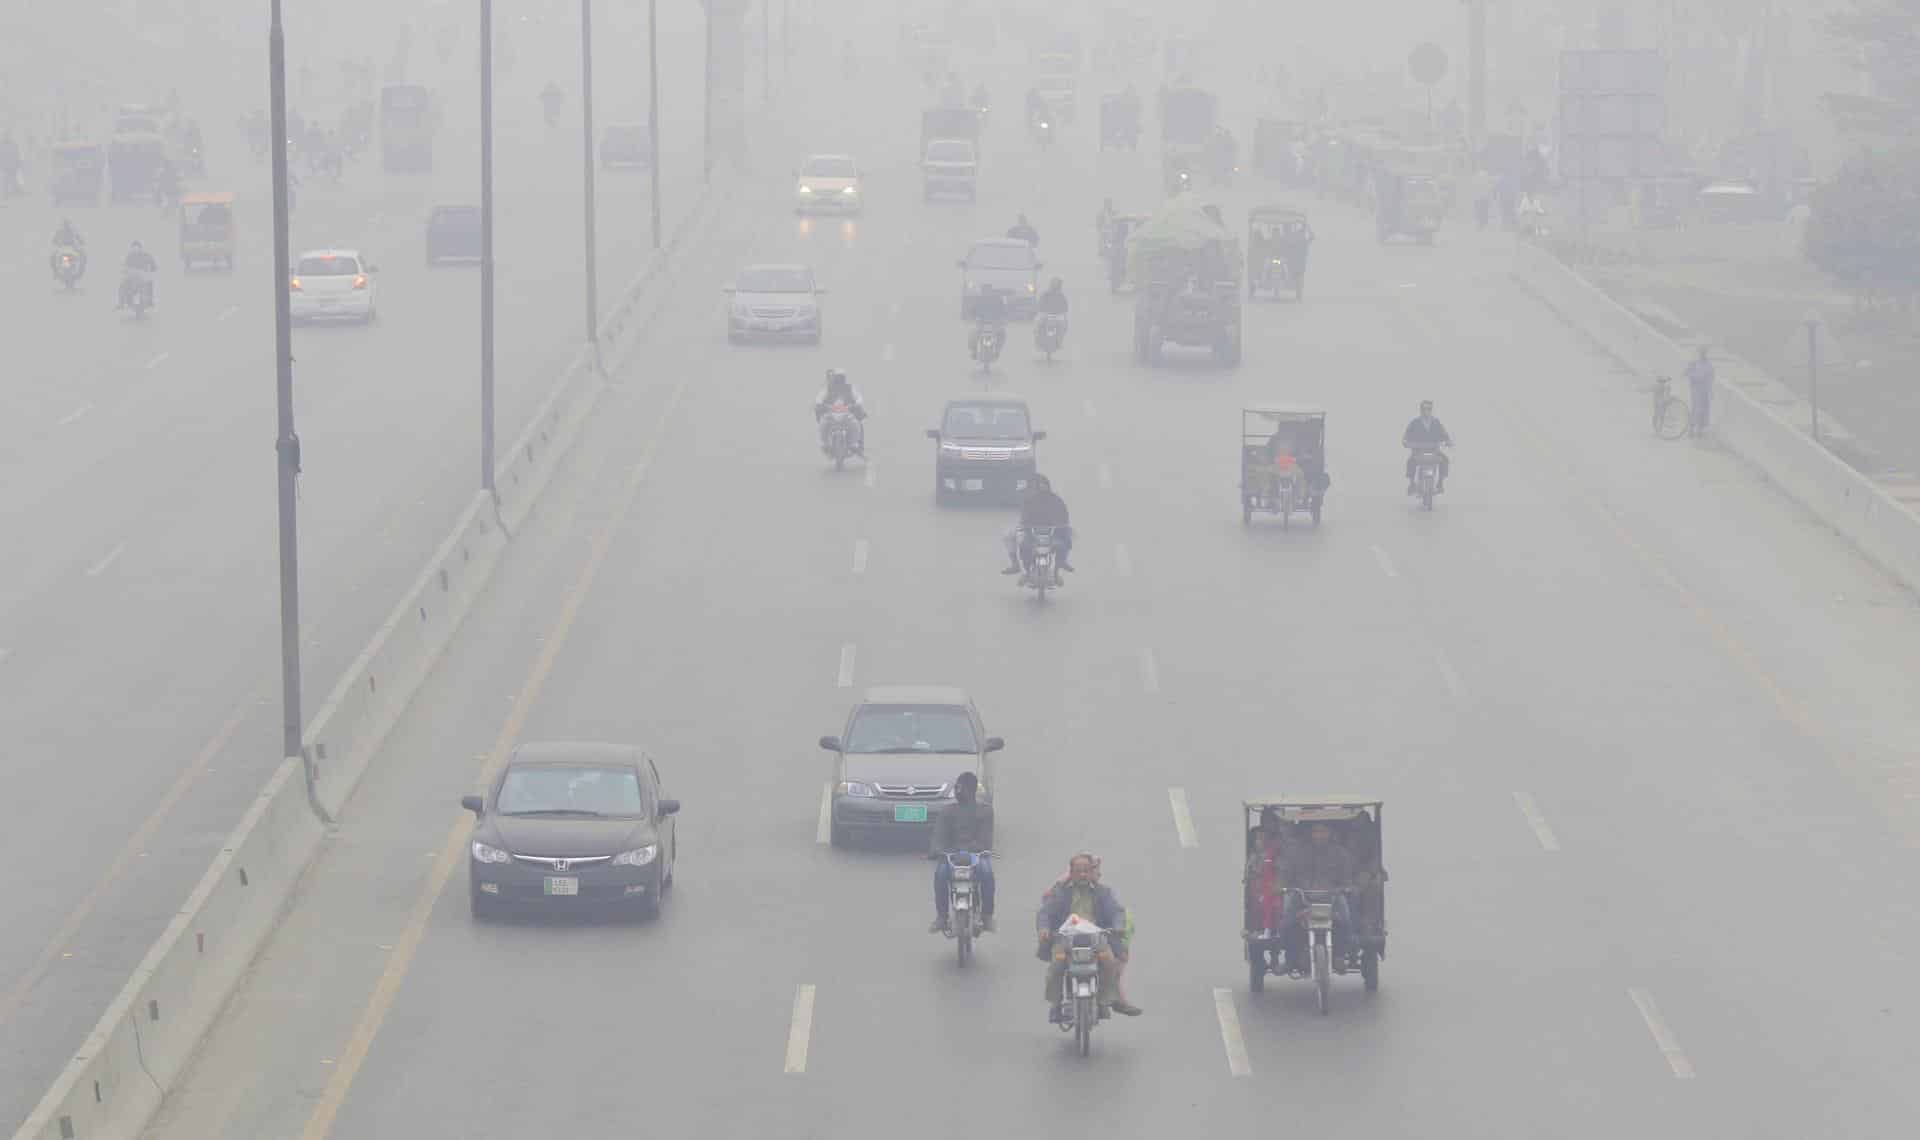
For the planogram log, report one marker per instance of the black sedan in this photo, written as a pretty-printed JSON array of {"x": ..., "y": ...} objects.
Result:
[
  {"x": 570, "y": 826},
  {"x": 453, "y": 234}
]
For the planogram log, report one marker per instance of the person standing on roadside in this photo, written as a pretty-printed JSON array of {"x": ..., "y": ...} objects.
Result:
[{"x": 1700, "y": 385}]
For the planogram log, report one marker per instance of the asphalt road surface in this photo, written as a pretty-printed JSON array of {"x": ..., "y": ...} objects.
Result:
[
  {"x": 1644, "y": 731},
  {"x": 139, "y": 651}
]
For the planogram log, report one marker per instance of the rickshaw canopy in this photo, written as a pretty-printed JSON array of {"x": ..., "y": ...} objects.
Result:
[{"x": 1331, "y": 808}]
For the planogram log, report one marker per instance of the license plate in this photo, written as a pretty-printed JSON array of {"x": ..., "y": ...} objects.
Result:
[
  {"x": 973, "y": 484},
  {"x": 567, "y": 886},
  {"x": 909, "y": 813}
]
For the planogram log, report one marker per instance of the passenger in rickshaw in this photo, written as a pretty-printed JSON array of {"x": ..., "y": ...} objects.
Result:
[
  {"x": 1292, "y": 244},
  {"x": 1321, "y": 864},
  {"x": 1262, "y": 875}
]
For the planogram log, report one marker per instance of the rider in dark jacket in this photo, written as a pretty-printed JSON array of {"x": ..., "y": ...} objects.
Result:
[
  {"x": 1427, "y": 429},
  {"x": 1040, "y": 507},
  {"x": 1023, "y": 229},
  {"x": 1054, "y": 300},
  {"x": 966, "y": 826}
]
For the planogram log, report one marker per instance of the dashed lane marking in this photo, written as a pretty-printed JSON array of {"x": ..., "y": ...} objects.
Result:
[
  {"x": 102, "y": 566},
  {"x": 801, "y": 1030},
  {"x": 1122, "y": 561},
  {"x": 158, "y": 360},
  {"x": 1386, "y": 564},
  {"x": 871, "y": 476},
  {"x": 1537, "y": 821},
  {"x": 75, "y": 414},
  {"x": 1236, "y": 1045},
  {"x": 1149, "y": 671},
  {"x": 823, "y": 831},
  {"x": 1105, "y": 475},
  {"x": 860, "y": 548},
  {"x": 845, "y": 679},
  {"x": 1663, "y": 1037},
  {"x": 1182, "y": 817}
]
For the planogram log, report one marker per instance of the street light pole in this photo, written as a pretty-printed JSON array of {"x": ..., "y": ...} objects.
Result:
[
  {"x": 653, "y": 105},
  {"x": 766, "y": 52},
  {"x": 486, "y": 245},
  {"x": 586, "y": 99},
  {"x": 706, "y": 129},
  {"x": 287, "y": 442}
]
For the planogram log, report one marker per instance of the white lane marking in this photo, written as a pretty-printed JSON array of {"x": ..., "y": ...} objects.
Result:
[
  {"x": 1386, "y": 564},
  {"x": 860, "y": 556},
  {"x": 846, "y": 666},
  {"x": 4, "y": 654},
  {"x": 1237, "y": 1062},
  {"x": 893, "y": 310},
  {"x": 227, "y": 312},
  {"x": 100, "y": 567},
  {"x": 801, "y": 1029},
  {"x": 1122, "y": 561},
  {"x": 1662, "y": 1036},
  {"x": 75, "y": 414},
  {"x": 1149, "y": 671},
  {"x": 158, "y": 360},
  {"x": 1182, "y": 817},
  {"x": 1087, "y": 407},
  {"x": 871, "y": 466},
  {"x": 1106, "y": 476},
  {"x": 1524, "y": 801},
  {"x": 886, "y": 353},
  {"x": 823, "y": 833},
  {"x": 1454, "y": 688}
]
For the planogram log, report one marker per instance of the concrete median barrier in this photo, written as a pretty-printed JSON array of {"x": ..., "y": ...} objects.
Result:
[
  {"x": 1774, "y": 439},
  {"x": 143, "y": 1043}
]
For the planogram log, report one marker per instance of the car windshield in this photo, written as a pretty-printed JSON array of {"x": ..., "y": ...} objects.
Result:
[
  {"x": 1001, "y": 257},
  {"x": 911, "y": 728},
  {"x": 568, "y": 789},
  {"x": 774, "y": 279},
  {"x": 828, "y": 168},
  {"x": 328, "y": 266},
  {"x": 986, "y": 421},
  {"x": 949, "y": 151}
]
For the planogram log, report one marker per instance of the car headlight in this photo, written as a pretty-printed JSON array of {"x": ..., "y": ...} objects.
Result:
[
  {"x": 856, "y": 788},
  {"x": 950, "y": 448},
  {"x": 849, "y": 190},
  {"x": 804, "y": 189},
  {"x": 485, "y": 854},
  {"x": 1030, "y": 287},
  {"x": 638, "y": 857}
]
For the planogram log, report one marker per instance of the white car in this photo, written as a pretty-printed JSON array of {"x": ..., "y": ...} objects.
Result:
[
  {"x": 774, "y": 302},
  {"x": 332, "y": 284},
  {"x": 827, "y": 183}
]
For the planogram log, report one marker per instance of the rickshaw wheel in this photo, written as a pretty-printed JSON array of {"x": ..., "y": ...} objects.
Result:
[
  {"x": 1314, "y": 510},
  {"x": 1256, "y": 968},
  {"x": 1246, "y": 512},
  {"x": 1370, "y": 968}
]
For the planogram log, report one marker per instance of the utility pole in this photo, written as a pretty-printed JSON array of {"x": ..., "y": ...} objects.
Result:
[
  {"x": 1813, "y": 373},
  {"x": 706, "y": 146},
  {"x": 486, "y": 246},
  {"x": 586, "y": 102},
  {"x": 287, "y": 442},
  {"x": 766, "y": 52},
  {"x": 1477, "y": 75},
  {"x": 653, "y": 101}
]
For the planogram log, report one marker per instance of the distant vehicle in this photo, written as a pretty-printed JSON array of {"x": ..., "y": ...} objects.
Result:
[
  {"x": 951, "y": 166},
  {"x": 774, "y": 302},
  {"x": 571, "y": 826},
  {"x": 1009, "y": 265},
  {"x": 453, "y": 234},
  {"x": 625, "y": 147},
  {"x": 332, "y": 284},
  {"x": 827, "y": 184},
  {"x": 985, "y": 447},
  {"x": 407, "y": 123},
  {"x": 902, "y": 749}
]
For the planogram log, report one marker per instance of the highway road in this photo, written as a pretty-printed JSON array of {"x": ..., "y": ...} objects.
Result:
[
  {"x": 1644, "y": 731},
  {"x": 138, "y": 595}
]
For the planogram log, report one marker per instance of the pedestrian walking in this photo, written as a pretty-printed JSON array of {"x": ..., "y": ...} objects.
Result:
[{"x": 1700, "y": 384}]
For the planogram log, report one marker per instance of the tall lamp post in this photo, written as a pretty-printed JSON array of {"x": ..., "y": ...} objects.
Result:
[
  {"x": 586, "y": 99},
  {"x": 486, "y": 246},
  {"x": 287, "y": 442},
  {"x": 653, "y": 106}
]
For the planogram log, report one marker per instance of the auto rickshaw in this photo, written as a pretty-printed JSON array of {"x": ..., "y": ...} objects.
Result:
[
  {"x": 1278, "y": 240},
  {"x": 135, "y": 164},
  {"x": 79, "y": 169},
  {"x": 206, "y": 229},
  {"x": 1114, "y": 248},
  {"x": 1276, "y": 827},
  {"x": 1283, "y": 462}
]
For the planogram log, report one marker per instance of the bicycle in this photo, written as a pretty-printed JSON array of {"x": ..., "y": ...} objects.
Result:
[{"x": 1672, "y": 417}]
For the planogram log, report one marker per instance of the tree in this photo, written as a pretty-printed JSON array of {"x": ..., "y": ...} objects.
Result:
[
  {"x": 1886, "y": 36},
  {"x": 1865, "y": 226}
]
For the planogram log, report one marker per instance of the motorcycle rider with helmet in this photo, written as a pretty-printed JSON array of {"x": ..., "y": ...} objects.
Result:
[
  {"x": 67, "y": 237},
  {"x": 1023, "y": 229},
  {"x": 966, "y": 826},
  {"x": 138, "y": 262},
  {"x": 989, "y": 311},
  {"x": 840, "y": 390},
  {"x": 1425, "y": 431}
]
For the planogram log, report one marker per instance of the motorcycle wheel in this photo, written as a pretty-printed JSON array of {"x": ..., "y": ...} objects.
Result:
[
  {"x": 1315, "y": 511},
  {"x": 1323, "y": 974},
  {"x": 963, "y": 939},
  {"x": 1256, "y": 968},
  {"x": 1083, "y": 1017},
  {"x": 1426, "y": 496},
  {"x": 1370, "y": 968}
]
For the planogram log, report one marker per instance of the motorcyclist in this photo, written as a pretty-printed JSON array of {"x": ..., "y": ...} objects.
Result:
[
  {"x": 1295, "y": 240},
  {"x": 1103, "y": 225},
  {"x": 1023, "y": 229},
  {"x": 1425, "y": 430},
  {"x": 980, "y": 101},
  {"x": 966, "y": 826},
  {"x": 68, "y": 237},
  {"x": 1040, "y": 507},
  {"x": 1036, "y": 105},
  {"x": 1084, "y": 895},
  {"x": 1054, "y": 300},
  {"x": 139, "y": 268},
  {"x": 840, "y": 390},
  {"x": 1319, "y": 864},
  {"x": 989, "y": 312}
]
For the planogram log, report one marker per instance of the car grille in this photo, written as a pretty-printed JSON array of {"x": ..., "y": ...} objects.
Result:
[
  {"x": 987, "y": 454},
  {"x": 774, "y": 314},
  {"x": 552, "y": 863},
  {"x": 911, "y": 791}
]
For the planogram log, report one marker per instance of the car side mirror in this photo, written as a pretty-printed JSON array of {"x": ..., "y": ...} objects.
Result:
[
  {"x": 994, "y": 744},
  {"x": 669, "y": 807},
  {"x": 473, "y": 804},
  {"x": 1038, "y": 436},
  {"x": 830, "y": 743},
  {"x": 933, "y": 433}
]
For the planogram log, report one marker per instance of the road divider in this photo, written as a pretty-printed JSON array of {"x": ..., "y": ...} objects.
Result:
[
  {"x": 1766, "y": 434},
  {"x": 1230, "y": 1036},
  {"x": 143, "y": 1042},
  {"x": 800, "y": 1031}
]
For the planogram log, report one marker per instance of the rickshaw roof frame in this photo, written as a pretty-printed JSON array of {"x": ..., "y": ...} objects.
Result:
[
  {"x": 1332, "y": 807},
  {"x": 1289, "y": 413},
  {"x": 1276, "y": 213},
  {"x": 207, "y": 198}
]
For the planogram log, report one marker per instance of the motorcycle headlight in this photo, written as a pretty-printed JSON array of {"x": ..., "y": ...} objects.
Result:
[
  {"x": 485, "y": 854},
  {"x": 805, "y": 189},
  {"x": 857, "y": 789},
  {"x": 850, "y": 190},
  {"x": 1030, "y": 287},
  {"x": 638, "y": 857}
]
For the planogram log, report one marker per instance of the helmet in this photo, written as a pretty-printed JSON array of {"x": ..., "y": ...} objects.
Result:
[
  {"x": 1056, "y": 284},
  {"x": 136, "y": 245},
  {"x": 835, "y": 376}
]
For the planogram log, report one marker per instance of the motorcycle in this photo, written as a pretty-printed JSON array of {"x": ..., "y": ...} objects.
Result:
[
  {"x": 1042, "y": 571},
  {"x": 68, "y": 265},
  {"x": 1319, "y": 924},
  {"x": 986, "y": 343},
  {"x": 1426, "y": 472},
  {"x": 1043, "y": 131},
  {"x": 840, "y": 429},
  {"x": 1049, "y": 331},
  {"x": 1180, "y": 181},
  {"x": 965, "y": 922},
  {"x": 1079, "y": 944},
  {"x": 137, "y": 290}
]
